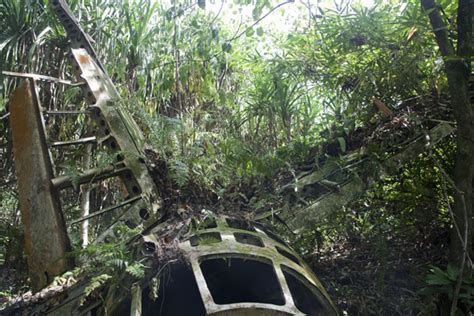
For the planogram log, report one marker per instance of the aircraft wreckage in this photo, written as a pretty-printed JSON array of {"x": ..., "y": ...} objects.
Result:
[{"x": 215, "y": 264}]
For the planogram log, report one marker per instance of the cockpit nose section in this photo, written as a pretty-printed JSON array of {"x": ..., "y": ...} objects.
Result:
[{"x": 236, "y": 267}]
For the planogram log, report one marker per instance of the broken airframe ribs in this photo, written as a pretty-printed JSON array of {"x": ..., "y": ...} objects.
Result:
[
  {"x": 112, "y": 208},
  {"x": 91, "y": 175},
  {"x": 85, "y": 140}
]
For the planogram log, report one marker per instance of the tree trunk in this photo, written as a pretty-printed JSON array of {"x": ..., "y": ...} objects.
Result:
[{"x": 457, "y": 67}]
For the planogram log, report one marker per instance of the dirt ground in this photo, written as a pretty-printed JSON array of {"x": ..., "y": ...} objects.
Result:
[{"x": 381, "y": 277}]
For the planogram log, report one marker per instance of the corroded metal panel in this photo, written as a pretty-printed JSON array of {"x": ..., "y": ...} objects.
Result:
[{"x": 46, "y": 240}]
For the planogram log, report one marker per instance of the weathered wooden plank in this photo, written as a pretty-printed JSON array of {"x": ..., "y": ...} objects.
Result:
[{"x": 46, "y": 240}]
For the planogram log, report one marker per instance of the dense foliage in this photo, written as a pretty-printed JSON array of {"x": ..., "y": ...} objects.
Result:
[{"x": 234, "y": 104}]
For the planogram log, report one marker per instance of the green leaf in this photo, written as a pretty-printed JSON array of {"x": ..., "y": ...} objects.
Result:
[
  {"x": 438, "y": 280},
  {"x": 226, "y": 47},
  {"x": 342, "y": 143},
  {"x": 215, "y": 33},
  {"x": 453, "y": 272},
  {"x": 260, "y": 31},
  {"x": 94, "y": 284},
  {"x": 249, "y": 32},
  {"x": 257, "y": 11},
  {"x": 137, "y": 270}
]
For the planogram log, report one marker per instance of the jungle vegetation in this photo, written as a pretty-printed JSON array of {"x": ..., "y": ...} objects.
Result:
[{"x": 239, "y": 97}]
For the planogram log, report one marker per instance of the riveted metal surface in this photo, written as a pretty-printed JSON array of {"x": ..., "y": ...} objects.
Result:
[{"x": 116, "y": 129}]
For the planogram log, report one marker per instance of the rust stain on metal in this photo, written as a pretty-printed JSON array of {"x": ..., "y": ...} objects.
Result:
[
  {"x": 19, "y": 119},
  {"x": 46, "y": 240},
  {"x": 84, "y": 59}
]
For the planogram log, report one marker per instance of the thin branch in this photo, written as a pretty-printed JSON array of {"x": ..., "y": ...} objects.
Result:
[
  {"x": 447, "y": 178},
  {"x": 238, "y": 27},
  {"x": 457, "y": 289},
  {"x": 218, "y": 13}
]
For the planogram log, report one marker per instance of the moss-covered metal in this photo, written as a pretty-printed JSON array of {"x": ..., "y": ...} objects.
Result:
[
  {"x": 200, "y": 245},
  {"x": 350, "y": 175}
]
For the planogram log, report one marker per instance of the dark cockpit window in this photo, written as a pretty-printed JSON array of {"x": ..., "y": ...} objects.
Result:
[
  {"x": 248, "y": 239},
  {"x": 205, "y": 239},
  {"x": 178, "y": 294},
  {"x": 239, "y": 224},
  {"x": 308, "y": 299},
  {"x": 237, "y": 280}
]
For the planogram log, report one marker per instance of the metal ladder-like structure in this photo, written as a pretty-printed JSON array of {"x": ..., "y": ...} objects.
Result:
[
  {"x": 266, "y": 276},
  {"x": 40, "y": 190},
  {"x": 116, "y": 129}
]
